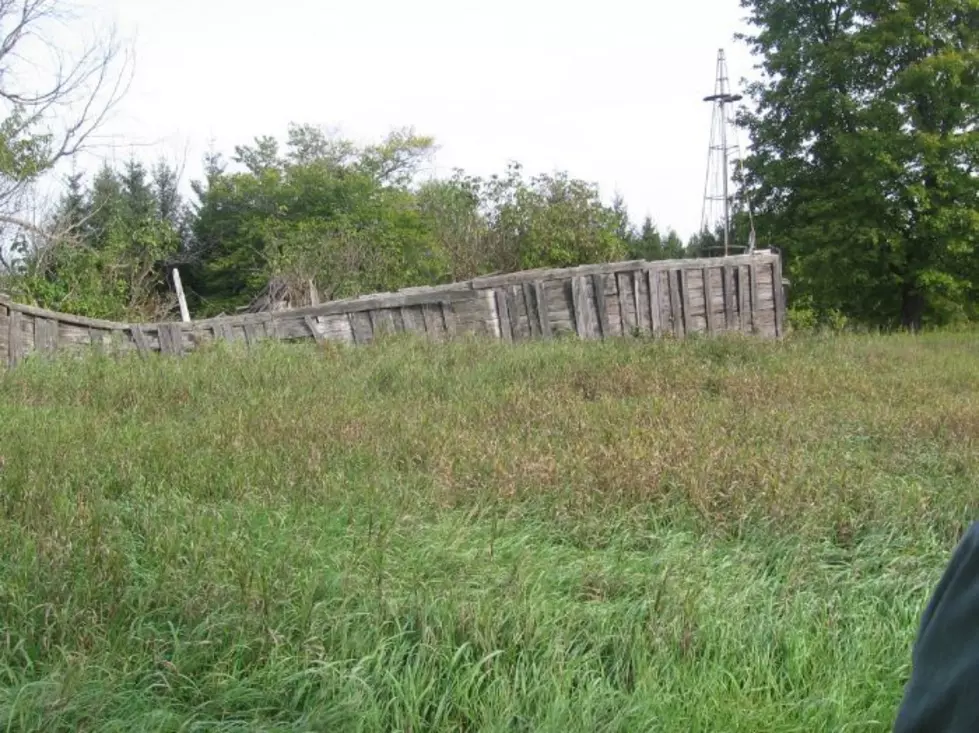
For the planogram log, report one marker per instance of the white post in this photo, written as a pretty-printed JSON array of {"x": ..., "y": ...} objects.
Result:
[{"x": 178, "y": 286}]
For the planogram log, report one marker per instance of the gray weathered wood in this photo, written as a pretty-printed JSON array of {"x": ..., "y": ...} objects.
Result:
[
  {"x": 503, "y": 314},
  {"x": 96, "y": 338},
  {"x": 708, "y": 301},
  {"x": 744, "y": 304},
  {"x": 448, "y": 318},
  {"x": 778, "y": 292},
  {"x": 543, "y": 315},
  {"x": 314, "y": 330},
  {"x": 688, "y": 322},
  {"x": 623, "y": 293},
  {"x": 533, "y": 320},
  {"x": 382, "y": 322},
  {"x": 139, "y": 338},
  {"x": 636, "y": 278},
  {"x": 676, "y": 308},
  {"x": 29, "y": 310},
  {"x": 181, "y": 299},
  {"x": 171, "y": 339},
  {"x": 579, "y": 299},
  {"x": 598, "y": 286},
  {"x": 223, "y": 331},
  {"x": 45, "y": 335},
  {"x": 655, "y": 311},
  {"x": 554, "y": 301},
  {"x": 254, "y": 332},
  {"x": 730, "y": 300},
  {"x": 14, "y": 339},
  {"x": 360, "y": 326}
]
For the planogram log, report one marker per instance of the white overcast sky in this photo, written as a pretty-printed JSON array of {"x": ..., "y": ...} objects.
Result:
[{"x": 610, "y": 91}]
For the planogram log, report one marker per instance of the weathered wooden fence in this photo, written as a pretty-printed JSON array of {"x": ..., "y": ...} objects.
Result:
[{"x": 673, "y": 297}]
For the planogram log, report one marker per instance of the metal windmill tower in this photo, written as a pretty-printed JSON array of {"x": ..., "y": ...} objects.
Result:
[{"x": 717, "y": 195}]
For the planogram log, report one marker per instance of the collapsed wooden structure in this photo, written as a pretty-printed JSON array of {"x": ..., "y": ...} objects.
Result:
[{"x": 672, "y": 297}]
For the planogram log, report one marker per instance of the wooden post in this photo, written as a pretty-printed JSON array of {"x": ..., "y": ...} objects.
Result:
[{"x": 178, "y": 286}]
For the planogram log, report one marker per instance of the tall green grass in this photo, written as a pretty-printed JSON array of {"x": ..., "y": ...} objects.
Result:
[{"x": 722, "y": 535}]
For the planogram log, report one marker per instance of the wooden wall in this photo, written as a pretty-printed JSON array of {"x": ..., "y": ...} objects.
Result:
[{"x": 673, "y": 297}]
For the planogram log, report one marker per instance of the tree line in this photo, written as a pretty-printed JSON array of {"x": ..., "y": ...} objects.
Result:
[
  {"x": 312, "y": 208},
  {"x": 862, "y": 170}
]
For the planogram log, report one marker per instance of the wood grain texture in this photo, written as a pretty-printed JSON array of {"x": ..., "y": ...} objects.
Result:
[
  {"x": 655, "y": 310},
  {"x": 730, "y": 299},
  {"x": 676, "y": 307},
  {"x": 636, "y": 276},
  {"x": 13, "y": 338},
  {"x": 624, "y": 292},
  {"x": 533, "y": 318},
  {"x": 688, "y": 316},
  {"x": 254, "y": 332},
  {"x": 601, "y": 306},
  {"x": 360, "y": 326},
  {"x": 513, "y": 310},
  {"x": 503, "y": 314},
  {"x": 543, "y": 314},
  {"x": 449, "y": 324},
  {"x": 314, "y": 330},
  {"x": 709, "y": 301},
  {"x": 778, "y": 293},
  {"x": 46, "y": 335},
  {"x": 741, "y": 293},
  {"x": 744, "y": 302},
  {"x": 139, "y": 338},
  {"x": 579, "y": 299}
]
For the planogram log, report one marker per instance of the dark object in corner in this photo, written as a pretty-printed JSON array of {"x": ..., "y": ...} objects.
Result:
[{"x": 942, "y": 695}]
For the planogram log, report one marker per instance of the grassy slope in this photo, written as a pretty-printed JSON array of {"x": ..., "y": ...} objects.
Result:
[{"x": 709, "y": 536}]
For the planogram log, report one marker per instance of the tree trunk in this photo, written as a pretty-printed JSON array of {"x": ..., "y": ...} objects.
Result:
[{"x": 912, "y": 309}]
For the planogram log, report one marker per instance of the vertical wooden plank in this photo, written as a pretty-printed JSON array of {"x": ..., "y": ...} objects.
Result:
[
  {"x": 578, "y": 302},
  {"x": 730, "y": 302},
  {"x": 753, "y": 275},
  {"x": 163, "y": 334},
  {"x": 139, "y": 338},
  {"x": 360, "y": 326},
  {"x": 503, "y": 315},
  {"x": 406, "y": 319},
  {"x": 224, "y": 331},
  {"x": 778, "y": 294},
  {"x": 655, "y": 312},
  {"x": 543, "y": 315},
  {"x": 171, "y": 339},
  {"x": 177, "y": 337},
  {"x": 533, "y": 317},
  {"x": 511, "y": 304},
  {"x": 313, "y": 330},
  {"x": 448, "y": 318},
  {"x": 636, "y": 277},
  {"x": 254, "y": 333},
  {"x": 685, "y": 298},
  {"x": 45, "y": 335},
  {"x": 397, "y": 319},
  {"x": 623, "y": 293},
  {"x": 744, "y": 303},
  {"x": 271, "y": 327},
  {"x": 676, "y": 310},
  {"x": 433, "y": 321},
  {"x": 598, "y": 284},
  {"x": 14, "y": 338},
  {"x": 95, "y": 337},
  {"x": 708, "y": 301}
]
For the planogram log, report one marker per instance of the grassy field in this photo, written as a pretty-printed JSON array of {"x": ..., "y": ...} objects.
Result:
[{"x": 623, "y": 536}]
